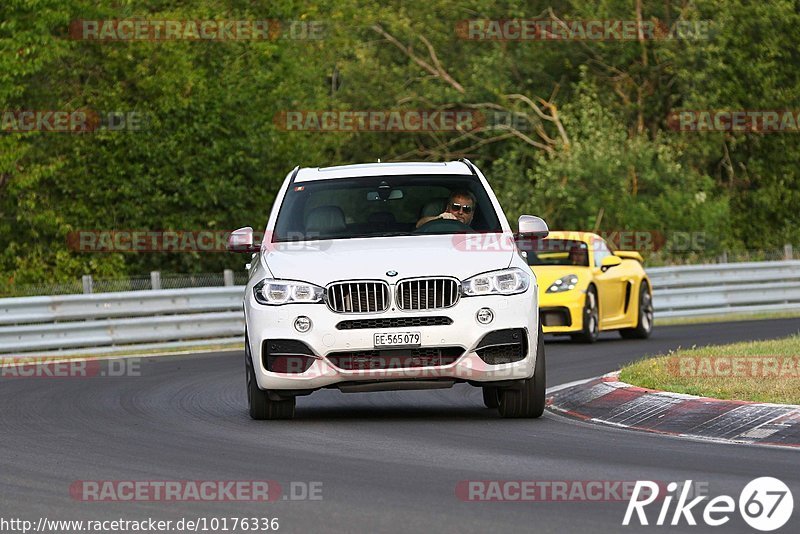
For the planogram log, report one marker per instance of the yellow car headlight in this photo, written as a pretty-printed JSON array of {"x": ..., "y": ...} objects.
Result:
[{"x": 565, "y": 283}]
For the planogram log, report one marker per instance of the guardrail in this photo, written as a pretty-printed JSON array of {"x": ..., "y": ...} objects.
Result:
[
  {"x": 718, "y": 289},
  {"x": 125, "y": 318},
  {"x": 85, "y": 323}
]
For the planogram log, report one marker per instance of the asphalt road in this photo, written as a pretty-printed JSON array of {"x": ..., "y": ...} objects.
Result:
[{"x": 388, "y": 462}]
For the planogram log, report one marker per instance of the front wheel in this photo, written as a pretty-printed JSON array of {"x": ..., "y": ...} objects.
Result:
[
  {"x": 491, "y": 396},
  {"x": 259, "y": 404},
  {"x": 644, "y": 324},
  {"x": 527, "y": 401}
]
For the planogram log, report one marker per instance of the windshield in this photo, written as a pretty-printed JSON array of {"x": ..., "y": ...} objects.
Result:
[
  {"x": 384, "y": 206},
  {"x": 558, "y": 252}
]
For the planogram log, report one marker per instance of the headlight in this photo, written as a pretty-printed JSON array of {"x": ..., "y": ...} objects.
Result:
[
  {"x": 505, "y": 282},
  {"x": 565, "y": 283},
  {"x": 277, "y": 292}
]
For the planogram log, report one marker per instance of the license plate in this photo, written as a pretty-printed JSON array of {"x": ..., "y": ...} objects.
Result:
[{"x": 398, "y": 339}]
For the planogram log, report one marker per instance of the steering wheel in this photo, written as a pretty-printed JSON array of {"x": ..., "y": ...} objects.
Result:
[{"x": 443, "y": 226}]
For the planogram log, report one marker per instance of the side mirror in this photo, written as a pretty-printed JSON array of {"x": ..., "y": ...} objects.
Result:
[
  {"x": 241, "y": 240},
  {"x": 531, "y": 226},
  {"x": 609, "y": 262}
]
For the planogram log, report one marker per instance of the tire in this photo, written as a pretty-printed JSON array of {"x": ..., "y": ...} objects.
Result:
[
  {"x": 491, "y": 397},
  {"x": 591, "y": 318},
  {"x": 644, "y": 321},
  {"x": 259, "y": 404},
  {"x": 529, "y": 400}
]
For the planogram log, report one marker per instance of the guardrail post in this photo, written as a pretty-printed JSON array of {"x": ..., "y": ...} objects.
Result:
[
  {"x": 155, "y": 279},
  {"x": 87, "y": 283},
  {"x": 227, "y": 277},
  {"x": 788, "y": 253},
  {"x": 724, "y": 257}
]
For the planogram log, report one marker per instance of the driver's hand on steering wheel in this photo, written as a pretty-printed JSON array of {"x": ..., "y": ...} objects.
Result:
[{"x": 447, "y": 215}]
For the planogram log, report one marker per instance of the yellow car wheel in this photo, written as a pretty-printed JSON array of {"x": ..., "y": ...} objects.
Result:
[
  {"x": 644, "y": 325},
  {"x": 591, "y": 318}
]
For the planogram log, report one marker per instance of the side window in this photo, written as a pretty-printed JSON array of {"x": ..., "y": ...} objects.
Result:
[{"x": 600, "y": 251}]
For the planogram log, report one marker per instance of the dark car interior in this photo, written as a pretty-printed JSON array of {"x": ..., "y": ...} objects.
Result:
[{"x": 367, "y": 207}]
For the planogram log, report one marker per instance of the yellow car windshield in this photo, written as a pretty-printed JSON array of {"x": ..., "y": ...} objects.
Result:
[{"x": 559, "y": 252}]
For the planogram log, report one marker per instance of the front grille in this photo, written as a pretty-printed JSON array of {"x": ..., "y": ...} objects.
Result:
[
  {"x": 360, "y": 360},
  {"x": 358, "y": 297},
  {"x": 394, "y": 322},
  {"x": 427, "y": 293}
]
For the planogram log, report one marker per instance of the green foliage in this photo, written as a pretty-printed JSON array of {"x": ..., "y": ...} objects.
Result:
[
  {"x": 749, "y": 63},
  {"x": 608, "y": 180},
  {"x": 211, "y": 156}
]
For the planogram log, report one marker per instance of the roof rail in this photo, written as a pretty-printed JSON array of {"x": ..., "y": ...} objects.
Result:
[
  {"x": 469, "y": 164},
  {"x": 294, "y": 175}
]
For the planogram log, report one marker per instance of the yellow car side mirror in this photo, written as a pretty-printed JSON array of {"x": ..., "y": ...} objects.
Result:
[{"x": 609, "y": 262}]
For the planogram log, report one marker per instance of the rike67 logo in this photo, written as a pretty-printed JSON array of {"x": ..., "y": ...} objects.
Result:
[{"x": 765, "y": 504}]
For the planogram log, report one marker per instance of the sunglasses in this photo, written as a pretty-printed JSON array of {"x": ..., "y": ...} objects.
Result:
[{"x": 466, "y": 208}]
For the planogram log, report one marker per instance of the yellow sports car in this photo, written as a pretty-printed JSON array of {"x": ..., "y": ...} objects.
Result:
[{"x": 586, "y": 288}]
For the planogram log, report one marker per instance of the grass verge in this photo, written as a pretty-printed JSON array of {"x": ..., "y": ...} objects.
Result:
[{"x": 759, "y": 371}]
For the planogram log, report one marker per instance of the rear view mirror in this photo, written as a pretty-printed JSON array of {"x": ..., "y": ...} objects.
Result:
[
  {"x": 394, "y": 194},
  {"x": 532, "y": 227},
  {"x": 241, "y": 240}
]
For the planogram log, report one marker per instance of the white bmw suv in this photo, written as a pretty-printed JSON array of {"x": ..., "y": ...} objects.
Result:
[{"x": 391, "y": 276}]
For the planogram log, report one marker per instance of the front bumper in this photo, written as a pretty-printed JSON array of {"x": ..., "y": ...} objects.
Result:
[
  {"x": 562, "y": 313},
  {"x": 266, "y": 323}
]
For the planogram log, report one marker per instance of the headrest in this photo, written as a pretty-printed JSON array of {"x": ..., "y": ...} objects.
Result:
[
  {"x": 325, "y": 220},
  {"x": 434, "y": 207}
]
